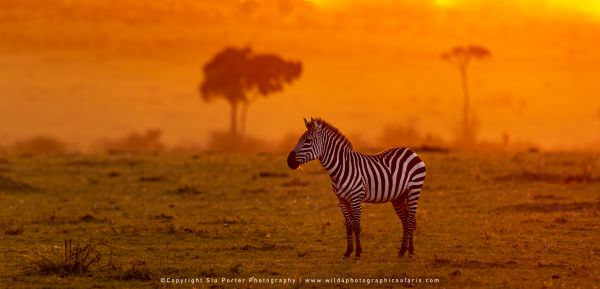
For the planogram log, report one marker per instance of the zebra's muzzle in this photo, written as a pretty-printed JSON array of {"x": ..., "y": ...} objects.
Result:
[{"x": 292, "y": 162}]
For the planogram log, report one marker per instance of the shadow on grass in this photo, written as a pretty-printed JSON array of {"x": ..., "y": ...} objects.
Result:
[{"x": 552, "y": 178}]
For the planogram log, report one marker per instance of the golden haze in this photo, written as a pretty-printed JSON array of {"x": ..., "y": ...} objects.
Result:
[{"x": 87, "y": 70}]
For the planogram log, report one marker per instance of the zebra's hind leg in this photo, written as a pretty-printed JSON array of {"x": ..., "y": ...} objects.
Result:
[
  {"x": 347, "y": 211},
  {"x": 402, "y": 212},
  {"x": 413, "y": 199}
]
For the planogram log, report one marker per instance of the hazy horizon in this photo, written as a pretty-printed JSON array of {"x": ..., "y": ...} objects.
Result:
[{"x": 92, "y": 70}]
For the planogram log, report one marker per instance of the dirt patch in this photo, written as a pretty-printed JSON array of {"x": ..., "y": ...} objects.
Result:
[
  {"x": 295, "y": 183},
  {"x": 552, "y": 207},
  {"x": 551, "y": 265},
  {"x": 113, "y": 174},
  {"x": 162, "y": 217},
  {"x": 552, "y": 178},
  {"x": 255, "y": 191},
  {"x": 262, "y": 247},
  {"x": 89, "y": 218},
  {"x": 61, "y": 220},
  {"x": 102, "y": 163},
  {"x": 225, "y": 221},
  {"x": 548, "y": 197},
  {"x": 272, "y": 175},
  {"x": 466, "y": 263},
  {"x": 152, "y": 179},
  {"x": 186, "y": 190}
]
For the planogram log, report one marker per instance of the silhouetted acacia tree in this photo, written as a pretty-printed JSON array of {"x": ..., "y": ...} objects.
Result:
[
  {"x": 238, "y": 74},
  {"x": 461, "y": 56}
]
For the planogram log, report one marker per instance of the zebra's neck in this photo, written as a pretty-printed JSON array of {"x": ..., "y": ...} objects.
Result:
[{"x": 336, "y": 151}]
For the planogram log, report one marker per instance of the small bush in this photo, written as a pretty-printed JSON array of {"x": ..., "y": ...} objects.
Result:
[
  {"x": 13, "y": 230},
  {"x": 72, "y": 261},
  {"x": 186, "y": 190},
  {"x": 236, "y": 269}
]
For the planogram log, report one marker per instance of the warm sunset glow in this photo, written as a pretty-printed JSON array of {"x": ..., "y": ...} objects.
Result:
[
  {"x": 326, "y": 3},
  {"x": 367, "y": 64},
  {"x": 232, "y": 143},
  {"x": 591, "y": 7},
  {"x": 444, "y": 3},
  {"x": 533, "y": 7}
]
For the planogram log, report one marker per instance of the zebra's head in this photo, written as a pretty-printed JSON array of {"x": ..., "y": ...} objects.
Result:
[{"x": 308, "y": 147}]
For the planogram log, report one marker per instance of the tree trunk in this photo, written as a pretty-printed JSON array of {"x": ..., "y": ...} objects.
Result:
[
  {"x": 467, "y": 133},
  {"x": 243, "y": 115},
  {"x": 233, "y": 121}
]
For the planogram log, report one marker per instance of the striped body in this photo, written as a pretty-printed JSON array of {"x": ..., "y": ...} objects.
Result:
[
  {"x": 379, "y": 178},
  {"x": 395, "y": 175}
]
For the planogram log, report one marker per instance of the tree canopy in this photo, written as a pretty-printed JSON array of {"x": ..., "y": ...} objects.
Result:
[
  {"x": 461, "y": 55},
  {"x": 237, "y": 74},
  {"x": 233, "y": 73}
]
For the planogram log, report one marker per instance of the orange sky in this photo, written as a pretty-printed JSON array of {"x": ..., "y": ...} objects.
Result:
[{"x": 89, "y": 70}]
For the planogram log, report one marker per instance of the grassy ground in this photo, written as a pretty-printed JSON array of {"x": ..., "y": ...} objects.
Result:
[{"x": 484, "y": 221}]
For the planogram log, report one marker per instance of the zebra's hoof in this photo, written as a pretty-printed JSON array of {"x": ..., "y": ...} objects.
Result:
[
  {"x": 401, "y": 253},
  {"x": 357, "y": 259}
]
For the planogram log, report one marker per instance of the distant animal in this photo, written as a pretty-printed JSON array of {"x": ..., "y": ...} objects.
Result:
[{"x": 395, "y": 175}]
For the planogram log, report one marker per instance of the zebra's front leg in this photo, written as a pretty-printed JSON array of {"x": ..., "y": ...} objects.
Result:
[
  {"x": 347, "y": 211},
  {"x": 356, "y": 212}
]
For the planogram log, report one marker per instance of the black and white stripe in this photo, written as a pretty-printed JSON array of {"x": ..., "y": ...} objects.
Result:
[{"x": 395, "y": 175}]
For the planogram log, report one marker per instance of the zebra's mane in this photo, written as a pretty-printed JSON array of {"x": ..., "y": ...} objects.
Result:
[{"x": 335, "y": 131}]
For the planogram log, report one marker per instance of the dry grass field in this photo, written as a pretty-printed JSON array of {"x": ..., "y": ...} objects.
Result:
[{"x": 501, "y": 220}]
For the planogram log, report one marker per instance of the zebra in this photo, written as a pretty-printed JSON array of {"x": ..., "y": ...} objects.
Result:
[{"x": 395, "y": 175}]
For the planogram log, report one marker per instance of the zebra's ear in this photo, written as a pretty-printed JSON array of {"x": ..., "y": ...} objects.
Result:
[
  {"x": 306, "y": 123},
  {"x": 317, "y": 125}
]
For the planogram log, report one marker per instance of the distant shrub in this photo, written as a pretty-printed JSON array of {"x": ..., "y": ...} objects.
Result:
[
  {"x": 186, "y": 190},
  {"x": 134, "y": 142},
  {"x": 393, "y": 134},
  {"x": 407, "y": 135},
  {"x": 38, "y": 145},
  {"x": 225, "y": 142},
  {"x": 189, "y": 147}
]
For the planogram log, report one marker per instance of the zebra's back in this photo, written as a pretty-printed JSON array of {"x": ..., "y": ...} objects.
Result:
[{"x": 390, "y": 175}]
